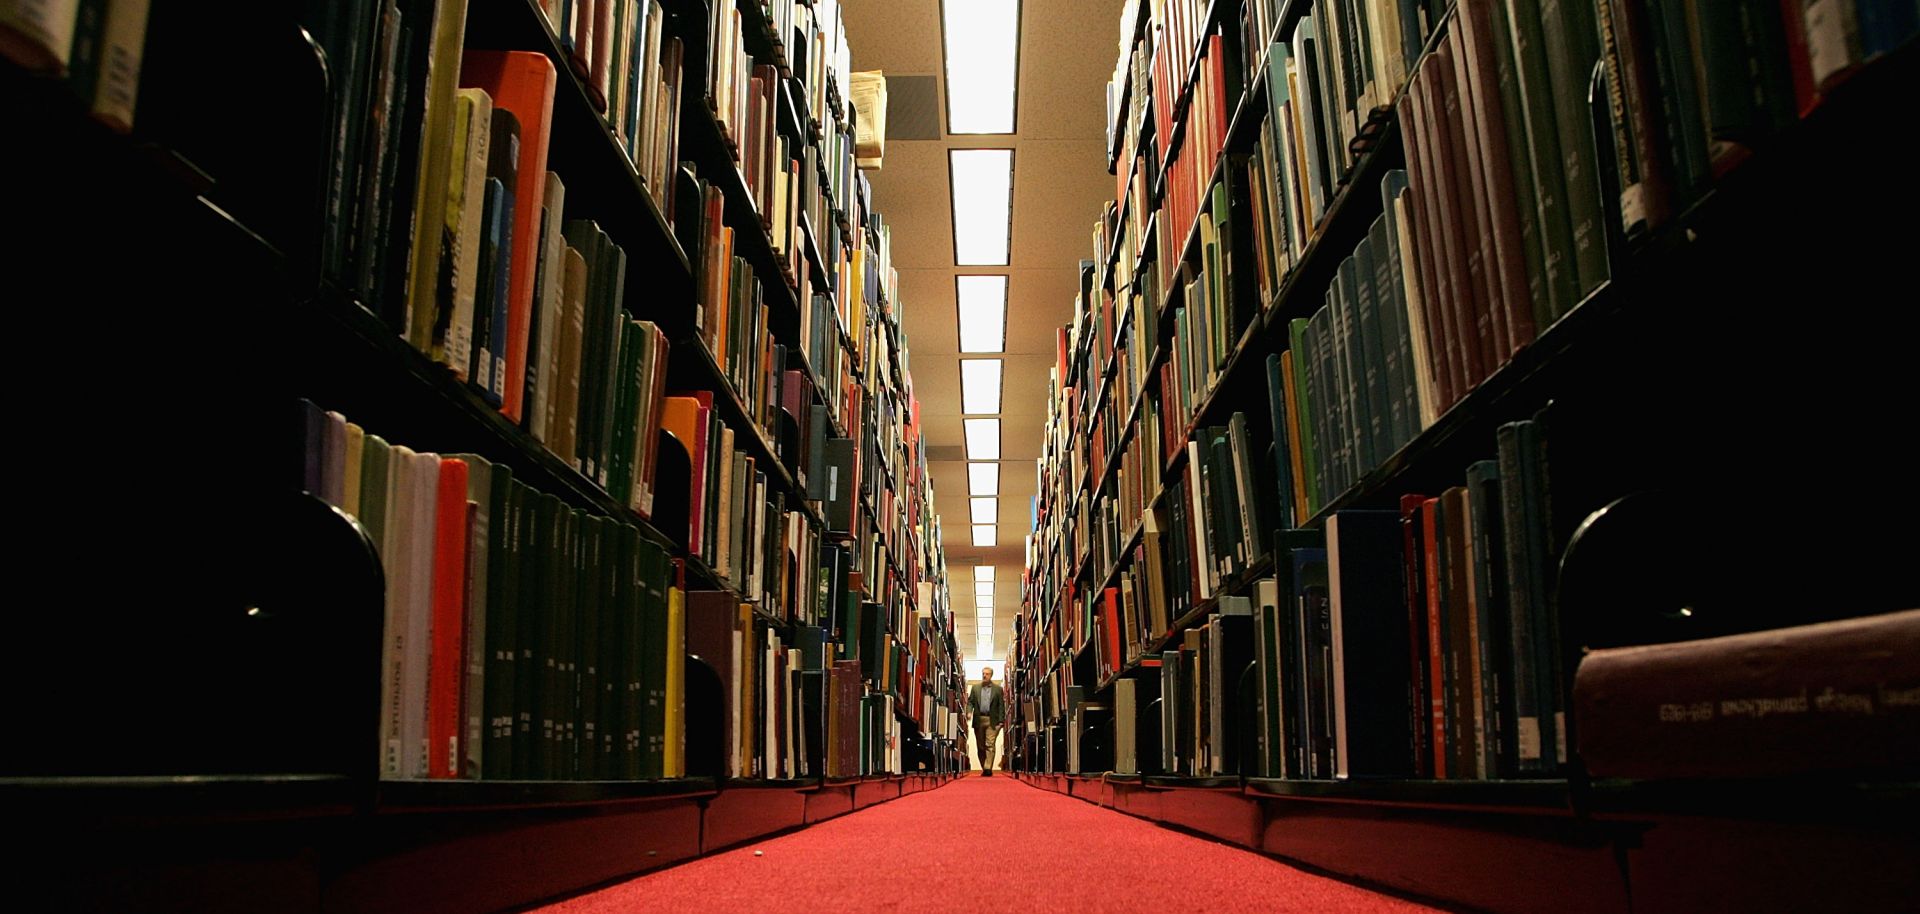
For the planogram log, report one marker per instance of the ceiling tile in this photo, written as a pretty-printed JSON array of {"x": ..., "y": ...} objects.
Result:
[{"x": 1067, "y": 50}]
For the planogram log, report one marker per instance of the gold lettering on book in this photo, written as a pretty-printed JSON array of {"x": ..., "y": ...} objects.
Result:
[
  {"x": 1834, "y": 702},
  {"x": 1898, "y": 697},
  {"x": 1693, "y": 713},
  {"x": 1757, "y": 708}
]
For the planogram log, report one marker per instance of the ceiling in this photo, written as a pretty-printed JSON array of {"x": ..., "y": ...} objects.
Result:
[{"x": 1060, "y": 185}]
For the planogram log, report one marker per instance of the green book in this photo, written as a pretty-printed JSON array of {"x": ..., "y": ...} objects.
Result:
[
  {"x": 1535, "y": 90},
  {"x": 586, "y": 648},
  {"x": 375, "y": 460},
  {"x": 1572, "y": 49},
  {"x": 502, "y": 629},
  {"x": 654, "y": 569},
  {"x": 1309, "y": 457}
]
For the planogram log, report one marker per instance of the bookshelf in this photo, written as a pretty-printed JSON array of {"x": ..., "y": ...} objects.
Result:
[
  {"x": 1169, "y": 512},
  {"x": 227, "y": 210}
]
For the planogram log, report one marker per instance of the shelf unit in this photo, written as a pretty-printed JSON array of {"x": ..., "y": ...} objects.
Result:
[
  {"x": 1610, "y": 365},
  {"x": 230, "y": 325}
]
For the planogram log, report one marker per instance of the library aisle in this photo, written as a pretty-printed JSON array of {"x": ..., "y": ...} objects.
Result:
[
  {"x": 1385, "y": 452},
  {"x": 979, "y": 845}
]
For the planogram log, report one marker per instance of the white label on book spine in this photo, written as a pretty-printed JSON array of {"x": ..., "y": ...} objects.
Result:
[
  {"x": 1633, "y": 205},
  {"x": 1828, "y": 44},
  {"x": 1529, "y": 737}
]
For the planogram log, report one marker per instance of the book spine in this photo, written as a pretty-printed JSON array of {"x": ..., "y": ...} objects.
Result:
[{"x": 1544, "y": 153}]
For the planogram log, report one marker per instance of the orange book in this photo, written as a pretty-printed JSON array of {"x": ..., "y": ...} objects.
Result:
[
  {"x": 521, "y": 82},
  {"x": 685, "y": 417},
  {"x": 446, "y": 662}
]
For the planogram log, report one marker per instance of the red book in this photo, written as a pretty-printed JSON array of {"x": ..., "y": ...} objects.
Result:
[
  {"x": 1460, "y": 209},
  {"x": 579, "y": 57},
  {"x": 446, "y": 664},
  {"x": 1414, "y": 555},
  {"x": 1789, "y": 702},
  {"x": 599, "y": 67},
  {"x": 685, "y": 417},
  {"x": 1436, "y": 637},
  {"x": 1805, "y": 94},
  {"x": 521, "y": 82},
  {"x": 1507, "y": 270}
]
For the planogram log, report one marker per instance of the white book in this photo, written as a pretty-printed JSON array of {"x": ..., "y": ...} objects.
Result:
[
  {"x": 38, "y": 34},
  {"x": 426, "y": 491},
  {"x": 122, "y": 51},
  {"x": 1202, "y": 553},
  {"x": 1416, "y": 316}
]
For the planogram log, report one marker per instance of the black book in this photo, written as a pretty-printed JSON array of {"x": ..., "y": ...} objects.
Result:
[{"x": 1371, "y": 730}]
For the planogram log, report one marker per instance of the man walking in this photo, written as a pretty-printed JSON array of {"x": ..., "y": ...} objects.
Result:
[{"x": 988, "y": 702}]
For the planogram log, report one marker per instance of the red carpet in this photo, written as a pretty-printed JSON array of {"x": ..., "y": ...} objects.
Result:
[{"x": 984, "y": 845}]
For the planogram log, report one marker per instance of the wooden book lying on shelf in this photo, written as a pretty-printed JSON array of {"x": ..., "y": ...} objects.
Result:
[{"x": 1832, "y": 696}]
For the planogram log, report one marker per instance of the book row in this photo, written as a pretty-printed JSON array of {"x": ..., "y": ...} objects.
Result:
[
  {"x": 1410, "y": 643},
  {"x": 523, "y": 639},
  {"x": 529, "y": 640}
]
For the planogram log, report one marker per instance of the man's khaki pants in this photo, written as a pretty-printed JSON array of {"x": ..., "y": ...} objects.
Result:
[{"x": 983, "y": 740}]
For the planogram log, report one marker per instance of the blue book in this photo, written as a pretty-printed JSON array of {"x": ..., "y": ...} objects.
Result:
[{"x": 490, "y": 289}]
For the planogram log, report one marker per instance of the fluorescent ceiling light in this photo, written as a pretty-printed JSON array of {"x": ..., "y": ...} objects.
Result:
[
  {"x": 983, "y": 479},
  {"x": 984, "y": 535},
  {"x": 982, "y": 181},
  {"x": 979, "y": 391},
  {"x": 983, "y": 313},
  {"x": 982, "y": 603},
  {"x": 985, "y": 511},
  {"x": 983, "y": 588},
  {"x": 983, "y": 439},
  {"x": 983, "y": 58},
  {"x": 985, "y": 613},
  {"x": 983, "y": 572}
]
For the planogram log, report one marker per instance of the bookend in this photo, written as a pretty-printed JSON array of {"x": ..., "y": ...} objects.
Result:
[
  {"x": 260, "y": 138},
  {"x": 788, "y": 443},
  {"x": 706, "y": 717},
  {"x": 1608, "y": 169},
  {"x": 1246, "y": 723},
  {"x": 673, "y": 489}
]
